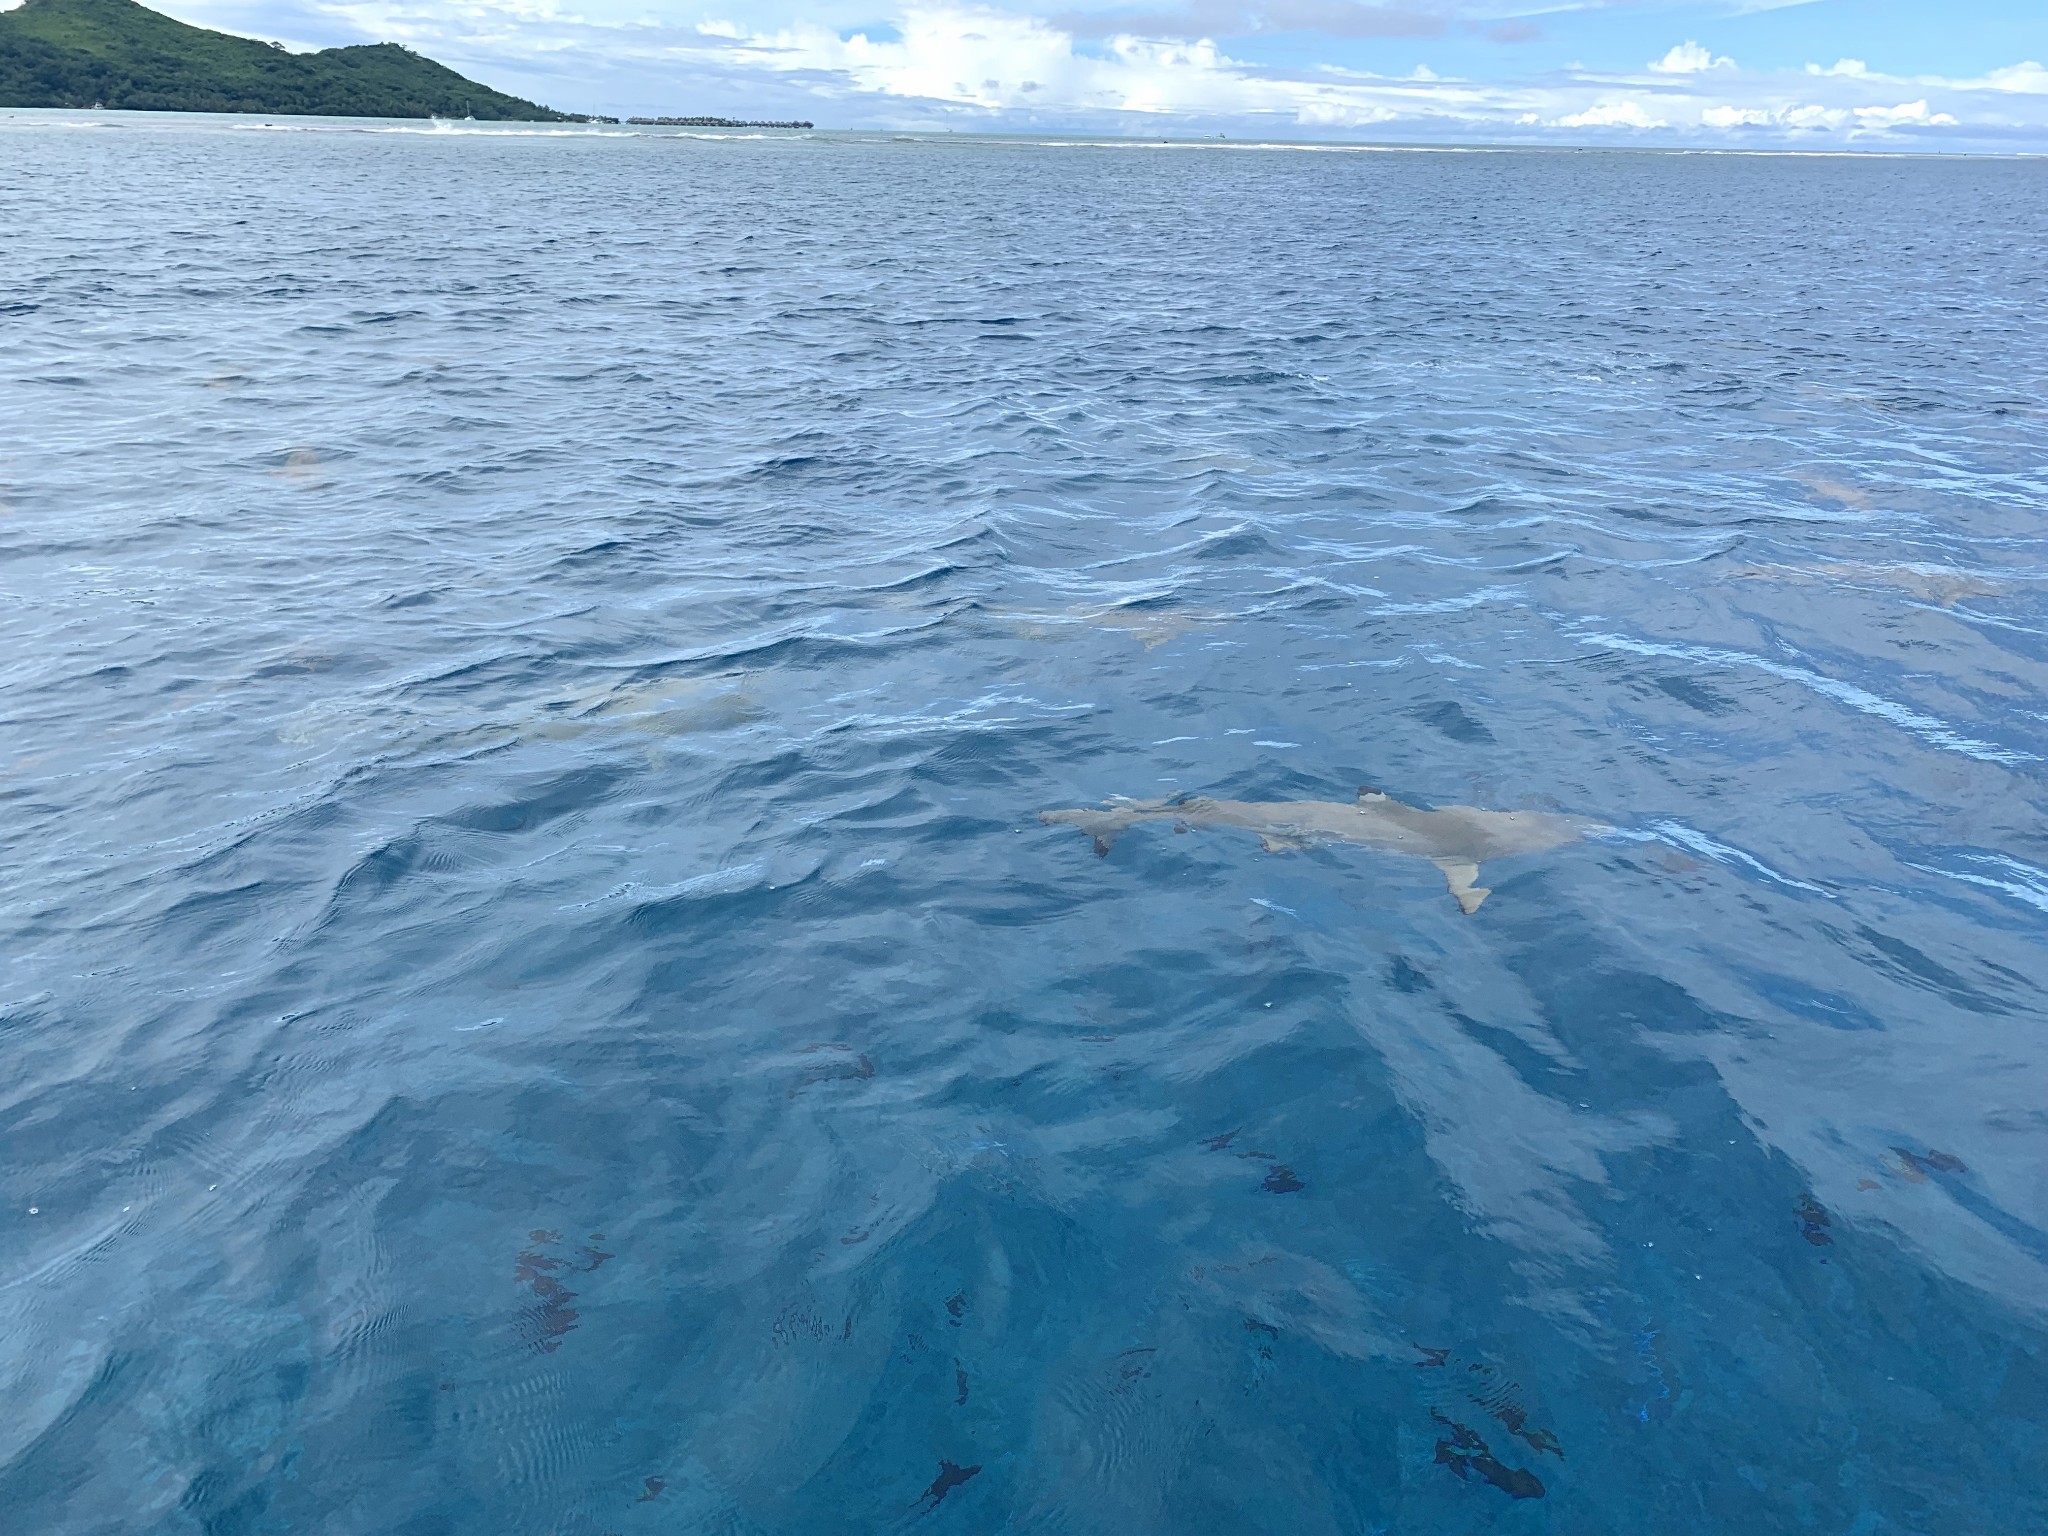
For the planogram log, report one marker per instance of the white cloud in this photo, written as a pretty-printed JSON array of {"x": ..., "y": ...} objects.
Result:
[
  {"x": 1810, "y": 117},
  {"x": 1736, "y": 117},
  {"x": 975, "y": 63},
  {"x": 1611, "y": 114},
  {"x": 2029, "y": 77},
  {"x": 2026, "y": 78},
  {"x": 1689, "y": 58},
  {"x": 1904, "y": 112},
  {"x": 997, "y": 60}
]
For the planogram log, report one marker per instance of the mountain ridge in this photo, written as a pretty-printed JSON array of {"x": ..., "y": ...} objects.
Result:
[{"x": 122, "y": 55}]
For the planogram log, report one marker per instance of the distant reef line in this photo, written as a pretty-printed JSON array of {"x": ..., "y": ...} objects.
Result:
[{"x": 710, "y": 122}]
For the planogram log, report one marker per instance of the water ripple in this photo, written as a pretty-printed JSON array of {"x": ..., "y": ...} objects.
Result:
[{"x": 537, "y": 995}]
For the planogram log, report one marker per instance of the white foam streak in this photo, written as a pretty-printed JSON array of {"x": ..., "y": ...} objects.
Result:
[
  {"x": 1936, "y": 733},
  {"x": 1721, "y": 853},
  {"x": 2023, "y": 882}
]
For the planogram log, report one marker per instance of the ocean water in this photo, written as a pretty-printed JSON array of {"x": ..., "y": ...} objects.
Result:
[{"x": 535, "y": 997}]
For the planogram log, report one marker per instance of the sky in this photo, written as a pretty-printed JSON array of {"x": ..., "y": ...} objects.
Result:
[{"x": 1959, "y": 75}]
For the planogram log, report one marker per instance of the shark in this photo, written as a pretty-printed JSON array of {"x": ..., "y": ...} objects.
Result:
[
  {"x": 1940, "y": 584},
  {"x": 1151, "y": 626},
  {"x": 663, "y": 707},
  {"x": 1457, "y": 839},
  {"x": 658, "y": 708}
]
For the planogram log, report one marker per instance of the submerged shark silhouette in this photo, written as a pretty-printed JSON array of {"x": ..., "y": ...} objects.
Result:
[
  {"x": 1150, "y": 626},
  {"x": 1942, "y": 584},
  {"x": 658, "y": 708},
  {"x": 1456, "y": 839}
]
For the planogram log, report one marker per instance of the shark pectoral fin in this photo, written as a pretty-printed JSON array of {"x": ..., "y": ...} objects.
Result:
[
  {"x": 1275, "y": 842},
  {"x": 1459, "y": 875},
  {"x": 1101, "y": 826}
]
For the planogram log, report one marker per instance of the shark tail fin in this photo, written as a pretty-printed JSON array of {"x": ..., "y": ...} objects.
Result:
[{"x": 1459, "y": 875}]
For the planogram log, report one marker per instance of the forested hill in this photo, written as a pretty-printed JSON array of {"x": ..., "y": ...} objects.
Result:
[{"x": 115, "y": 53}]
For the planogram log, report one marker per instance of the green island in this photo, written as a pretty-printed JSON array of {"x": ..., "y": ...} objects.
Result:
[{"x": 117, "y": 54}]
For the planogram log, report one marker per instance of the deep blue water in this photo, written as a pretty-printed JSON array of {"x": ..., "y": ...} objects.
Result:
[{"x": 534, "y": 997}]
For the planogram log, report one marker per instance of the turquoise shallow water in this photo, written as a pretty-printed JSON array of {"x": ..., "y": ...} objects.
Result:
[{"x": 536, "y": 997}]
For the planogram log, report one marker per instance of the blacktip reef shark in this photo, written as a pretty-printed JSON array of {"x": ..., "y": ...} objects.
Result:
[
  {"x": 1457, "y": 839},
  {"x": 1941, "y": 584},
  {"x": 656, "y": 708},
  {"x": 1150, "y": 626}
]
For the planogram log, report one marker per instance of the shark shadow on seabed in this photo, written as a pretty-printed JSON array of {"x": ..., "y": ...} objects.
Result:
[{"x": 1457, "y": 839}]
